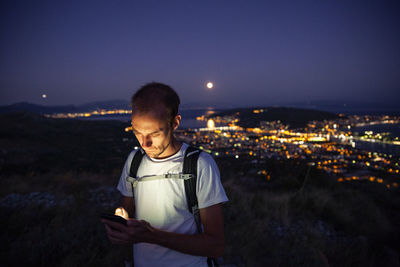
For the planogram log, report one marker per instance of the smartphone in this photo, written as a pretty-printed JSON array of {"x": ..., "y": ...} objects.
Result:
[{"x": 114, "y": 218}]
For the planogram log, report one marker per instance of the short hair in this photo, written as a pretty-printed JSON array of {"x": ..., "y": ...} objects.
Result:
[{"x": 151, "y": 94}]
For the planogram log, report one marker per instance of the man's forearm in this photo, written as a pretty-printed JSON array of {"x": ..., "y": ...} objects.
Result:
[{"x": 197, "y": 244}]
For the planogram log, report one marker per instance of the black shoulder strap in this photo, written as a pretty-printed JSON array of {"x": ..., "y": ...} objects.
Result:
[
  {"x": 190, "y": 167},
  {"x": 135, "y": 163}
]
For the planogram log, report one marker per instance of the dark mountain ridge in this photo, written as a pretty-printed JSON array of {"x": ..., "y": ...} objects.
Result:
[
  {"x": 295, "y": 117},
  {"x": 41, "y": 109}
]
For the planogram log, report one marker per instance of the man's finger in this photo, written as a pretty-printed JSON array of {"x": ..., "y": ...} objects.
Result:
[
  {"x": 111, "y": 232},
  {"x": 118, "y": 241},
  {"x": 131, "y": 222},
  {"x": 115, "y": 225}
]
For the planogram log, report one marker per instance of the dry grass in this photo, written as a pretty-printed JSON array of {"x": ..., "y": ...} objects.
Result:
[
  {"x": 314, "y": 226},
  {"x": 310, "y": 227}
]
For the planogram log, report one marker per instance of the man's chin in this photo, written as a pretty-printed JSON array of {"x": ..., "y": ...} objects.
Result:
[{"x": 151, "y": 153}]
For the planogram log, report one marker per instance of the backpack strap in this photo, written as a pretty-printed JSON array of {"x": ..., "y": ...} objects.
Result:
[
  {"x": 135, "y": 163},
  {"x": 190, "y": 167}
]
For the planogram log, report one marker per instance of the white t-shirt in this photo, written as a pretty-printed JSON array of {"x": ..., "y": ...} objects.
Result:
[{"x": 163, "y": 204}]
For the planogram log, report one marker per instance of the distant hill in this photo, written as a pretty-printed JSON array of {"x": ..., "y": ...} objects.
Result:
[
  {"x": 28, "y": 107},
  {"x": 351, "y": 107},
  {"x": 112, "y": 104},
  {"x": 295, "y": 117},
  {"x": 40, "y": 109}
]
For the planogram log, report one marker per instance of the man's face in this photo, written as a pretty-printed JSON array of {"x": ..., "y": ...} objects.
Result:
[{"x": 153, "y": 132}]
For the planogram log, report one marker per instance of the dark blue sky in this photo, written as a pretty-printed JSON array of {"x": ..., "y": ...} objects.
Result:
[{"x": 256, "y": 52}]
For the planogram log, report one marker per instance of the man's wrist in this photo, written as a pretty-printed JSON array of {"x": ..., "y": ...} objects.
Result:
[{"x": 155, "y": 236}]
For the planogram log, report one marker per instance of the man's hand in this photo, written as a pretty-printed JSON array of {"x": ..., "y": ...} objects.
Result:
[
  {"x": 134, "y": 232},
  {"x": 210, "y": 243}
]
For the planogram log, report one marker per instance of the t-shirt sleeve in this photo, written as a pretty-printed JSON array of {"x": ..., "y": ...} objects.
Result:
[
  {"x": 123, "y": 186},
  {"x": 209, "y": 187}
]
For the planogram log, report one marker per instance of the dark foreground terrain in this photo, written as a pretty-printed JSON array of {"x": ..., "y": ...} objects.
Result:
[{"x": 57, "y": 176}]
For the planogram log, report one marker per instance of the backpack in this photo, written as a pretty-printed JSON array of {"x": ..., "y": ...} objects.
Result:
[{"x": 189, "y": 175}]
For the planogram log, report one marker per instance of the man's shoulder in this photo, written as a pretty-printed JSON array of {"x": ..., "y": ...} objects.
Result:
[
  {"x": 132, "y": 154},
  {"x": 205, "y": 156},
  {"x": 134, "y": 151},
  {"x": 206, "y": 160}
]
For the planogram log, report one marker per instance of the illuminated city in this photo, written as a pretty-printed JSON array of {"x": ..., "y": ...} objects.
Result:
[
  {"x": 328, "y": 145},
  {"x": 101, "y": 112}
]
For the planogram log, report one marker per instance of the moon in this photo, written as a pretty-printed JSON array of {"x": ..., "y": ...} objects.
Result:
[
  {"x": 44, "y": 96},
  {"x": 210, "y": 85}
]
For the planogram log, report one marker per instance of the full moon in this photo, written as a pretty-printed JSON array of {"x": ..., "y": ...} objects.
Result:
[
  {"x": 44, "y": 96},
  {"x": 210, "y": 85}
]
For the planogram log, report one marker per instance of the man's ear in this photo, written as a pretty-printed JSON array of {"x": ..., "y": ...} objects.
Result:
[{"x": 176, "y": 122}]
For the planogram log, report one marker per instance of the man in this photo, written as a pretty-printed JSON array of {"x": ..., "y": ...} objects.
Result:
[{"x": 164, "y": 230}]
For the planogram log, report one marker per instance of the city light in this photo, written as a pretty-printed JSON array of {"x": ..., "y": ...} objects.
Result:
[
  {"x": 329, "y": 146},
  {"x": 210, "y": 124}
]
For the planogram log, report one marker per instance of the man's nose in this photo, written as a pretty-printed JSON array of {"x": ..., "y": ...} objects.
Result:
[{"x": 146, "y": 141}]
